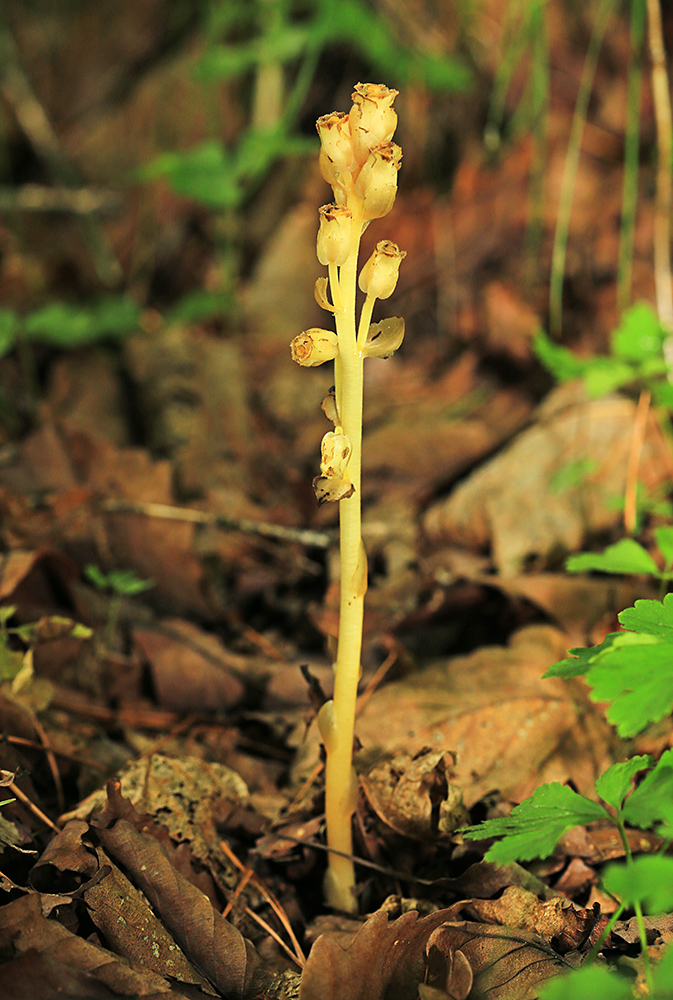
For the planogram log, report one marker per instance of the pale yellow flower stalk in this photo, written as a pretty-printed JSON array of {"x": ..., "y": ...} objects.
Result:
[{"x": 360, "y": 163}]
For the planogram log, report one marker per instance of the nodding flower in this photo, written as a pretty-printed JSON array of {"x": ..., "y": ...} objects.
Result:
[
  {"x": 379, "y": 275},
  {"x": 334, "y": 236},
  {"x": 372, "y": 117}
]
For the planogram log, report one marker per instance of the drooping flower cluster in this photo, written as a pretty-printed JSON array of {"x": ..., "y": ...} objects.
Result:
[{"x": 360, "y": 161}]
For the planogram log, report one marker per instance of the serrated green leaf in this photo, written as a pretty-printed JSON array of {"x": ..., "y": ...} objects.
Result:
[
  {"x": 651, "y": 617},
  {"x": 534, "y": 827},
  {"x": 625, "y": 556},
  {"x": 581, "y": 658},
  {"x": 647, "y": 880},
  {"x": 592, "y": 982},
  {"x": 638, "y": 679},
  {"x": 614, "y": 784},
  {"x": 652, "y": 800},
  {"x": 664, "y": 539}
]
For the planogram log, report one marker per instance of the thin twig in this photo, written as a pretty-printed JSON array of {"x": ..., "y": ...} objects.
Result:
[
  {"x": 280, "y": 532},
  {"x": 22, "y": 797},
  {"x": 299, "y": 956}
]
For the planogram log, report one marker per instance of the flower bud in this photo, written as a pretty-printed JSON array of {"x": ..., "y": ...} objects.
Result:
[
  {"x": 379, "y": 275},
  {"x": 337, "y": 155},
  {"x": 334, "y": 235},
  {"x": 372, "y": 118},
  {"x": 335, "y": 450},
  {"x": 377, "y": 181},
  {"x": 314, "y": 346}
]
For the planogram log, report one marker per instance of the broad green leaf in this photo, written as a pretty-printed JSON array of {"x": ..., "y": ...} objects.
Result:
[
  {"x": 638, "y": 680},
  {"x": 647, "y": 880},
  {"x": 625, "y": 556},
  {"x": 200, "y": 305},
  {"x": 614, "y": 784},
  {"x": 205, "y": 174},
  {"x": 664, "y": 538},
  {"x": 652, "y": 800},
  {"x": 639, "y": 336},
  {"x": 11, "y": 660},
  {"x": 125, "y": 581},
  {"x": 651, "y": 617},
  {"x": 97, "y": 576},
  {"x": 534, "y": 827},
  {"x": 592, "y": 982}
]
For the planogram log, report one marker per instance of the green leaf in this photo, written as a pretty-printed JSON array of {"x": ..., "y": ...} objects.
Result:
[
  {"x": 581, "y": 658},
  {"x": 9, "y": 327},
  {"x": 534, "y": 827},
  {"x": 97, "y": 576},
  {"x": 11, "y": 660},
  {"x": 125, "y": 582},
  {"x": 604, "y": 375},
  {"x": 592, "y": 982},
  {"x": 664, "y": 538},
  {"x": 205, "y": 174},
  {"x": 200, "y": 305},
  {"x": 639, "y": 336},
  {"x": 63, "y": 325},
  {"x": 637, "y": 677},
  {"x": 562, "y": 363},
  {"x": 651, "y": 617},
  {"x": 663, "y": 975},
  {"x": 625, "y": 556},
  {"x": 652, "y": 801},
  {"x": 7, "y": 611},
  {"x": 614, "y": 784},
  {"x": 647, "y": 880}
]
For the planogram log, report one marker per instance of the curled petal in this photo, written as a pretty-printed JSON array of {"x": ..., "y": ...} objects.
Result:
[
  {"x": 384, "y": 338},
  {"x": 330, "y": 490},
  {"x": 320, "y": 294},
  {"x": 313, "y": 347}
]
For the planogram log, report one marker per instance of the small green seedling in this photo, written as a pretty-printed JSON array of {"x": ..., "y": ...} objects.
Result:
[
  {"x": 123, "y": 583},
  {"x": 360, "y": 162}
]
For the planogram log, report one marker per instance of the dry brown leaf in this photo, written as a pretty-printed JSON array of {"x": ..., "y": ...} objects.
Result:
[
  {"x": 555, "y": 918},
  {"x": 184, "y": 678},
  {"x": 514, "y": 503},
  {"x": 509, "y": 729},
  {"x": 384, "y": 961}
]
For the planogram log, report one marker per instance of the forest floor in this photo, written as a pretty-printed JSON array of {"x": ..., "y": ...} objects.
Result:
[{"x": 165, "y": 829}]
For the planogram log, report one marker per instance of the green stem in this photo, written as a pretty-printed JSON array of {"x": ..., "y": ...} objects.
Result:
[
  {"x": 340, "y": 781},
  {"x": 570, "y": 168}
]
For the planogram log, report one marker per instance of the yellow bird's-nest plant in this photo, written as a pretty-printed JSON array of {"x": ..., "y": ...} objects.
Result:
[{"x": 360, "y": 161}]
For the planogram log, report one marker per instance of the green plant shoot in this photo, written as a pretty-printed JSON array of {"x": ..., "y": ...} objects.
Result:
[{"x": 360, "y": 162}]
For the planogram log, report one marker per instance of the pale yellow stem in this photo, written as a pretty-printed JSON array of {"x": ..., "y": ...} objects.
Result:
[{"x": 339, "y": 722}]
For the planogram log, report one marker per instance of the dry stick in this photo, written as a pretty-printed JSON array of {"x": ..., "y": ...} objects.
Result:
[
  {"x": 280, "y": 532},
  {"x": 22, "y": 797}
]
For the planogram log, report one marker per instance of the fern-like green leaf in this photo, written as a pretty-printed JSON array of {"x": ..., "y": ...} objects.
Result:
[{"x": 534, "y": 827}]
